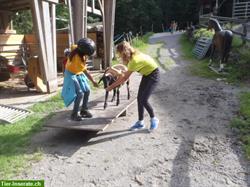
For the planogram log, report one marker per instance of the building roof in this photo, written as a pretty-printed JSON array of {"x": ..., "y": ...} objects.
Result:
[{"x": 15, "y": 5}]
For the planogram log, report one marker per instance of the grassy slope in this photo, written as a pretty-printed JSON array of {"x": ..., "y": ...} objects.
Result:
[{"x": 15, "y": 138}]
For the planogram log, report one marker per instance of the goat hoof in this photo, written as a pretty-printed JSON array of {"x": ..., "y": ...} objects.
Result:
[{"x": 105, "y": 106}]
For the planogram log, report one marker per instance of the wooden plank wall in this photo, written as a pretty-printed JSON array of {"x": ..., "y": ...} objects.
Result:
[{"x": 10, "y": 46}]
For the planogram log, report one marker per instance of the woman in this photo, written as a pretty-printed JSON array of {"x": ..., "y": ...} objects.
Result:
[
  {"x": 76, "y": 75},
  {"x": 148, "y": 68}
]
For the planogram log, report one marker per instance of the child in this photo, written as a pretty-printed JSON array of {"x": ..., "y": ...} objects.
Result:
[
  {"x": 76, "y": 75},
  {"x": 147, "y": 67}
]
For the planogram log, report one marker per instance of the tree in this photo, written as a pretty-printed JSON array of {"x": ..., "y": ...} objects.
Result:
[
  {"x": 132, "y": 15},
  {"x": 22, "y": 22}
]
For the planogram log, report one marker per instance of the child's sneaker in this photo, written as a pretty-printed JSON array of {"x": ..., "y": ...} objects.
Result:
[
  {"x": 154, "y": 124},
  {"x": 85, "y": 114},
  {"x": 137, "y": 126}
]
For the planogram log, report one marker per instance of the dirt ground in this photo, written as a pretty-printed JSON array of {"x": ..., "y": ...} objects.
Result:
[{"x": 194, "y": 145}]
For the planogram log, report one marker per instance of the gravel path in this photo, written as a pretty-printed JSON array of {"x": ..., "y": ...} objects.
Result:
[{"x": 193, "y": 146}]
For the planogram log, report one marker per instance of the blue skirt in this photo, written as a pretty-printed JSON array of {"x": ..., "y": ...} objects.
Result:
[{"x": 69, "y": 90}]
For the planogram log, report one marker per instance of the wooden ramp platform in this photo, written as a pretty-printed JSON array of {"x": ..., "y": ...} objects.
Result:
[{"x": 101, "y": 118}]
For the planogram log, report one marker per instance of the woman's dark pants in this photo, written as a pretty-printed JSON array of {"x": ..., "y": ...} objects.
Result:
[{"x": 147, "y": 86}]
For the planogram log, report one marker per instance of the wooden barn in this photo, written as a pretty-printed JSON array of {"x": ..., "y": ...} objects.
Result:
[
  {"x": 226, "y": 8},
  {"x": 42, "y": 48}
]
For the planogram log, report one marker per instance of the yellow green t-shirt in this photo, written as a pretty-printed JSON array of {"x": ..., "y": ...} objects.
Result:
[
  {"x": 76, "y": 65},
  {"x": 142, "y": 63}
]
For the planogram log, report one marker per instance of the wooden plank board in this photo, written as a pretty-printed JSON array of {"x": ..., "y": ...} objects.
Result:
[
  {"x": 101, "y": 118},
  {"x": 11, "y": 39}
]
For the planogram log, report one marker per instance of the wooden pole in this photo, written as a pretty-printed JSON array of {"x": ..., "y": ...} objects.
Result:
[
  {"x": 108, "y": 24},
  {"x": 53, "y": 22},
  {"x": 71, "y": 28},
  {"x": 45, "y": 30},
  {"x": 79, "y": 9}
]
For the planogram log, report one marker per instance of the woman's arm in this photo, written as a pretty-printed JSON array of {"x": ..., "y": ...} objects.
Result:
[
  {"x": 90, "y": 78},
  {"x": 120, "y": 80}
]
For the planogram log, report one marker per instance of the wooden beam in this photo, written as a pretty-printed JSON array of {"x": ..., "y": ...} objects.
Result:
[
  {"x": 50, "y": 64},
  {"x": 54, "y": 44},
  {"x": 94, "y": 11},
  {"x": 101, "y": 6},
  {"x": 37, "y": 20},
  {"x": 108, "y": 25},
  {"x": 79, "y": 9},
  {"x": 71, "y": 28},
  {"x": 14, "y": 5},
  {"x": 44, "y": 30},
  {"x": 52, "y": 1}
]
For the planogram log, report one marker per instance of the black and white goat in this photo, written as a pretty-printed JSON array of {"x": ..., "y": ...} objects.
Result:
[{"x": 109, "y": 77}]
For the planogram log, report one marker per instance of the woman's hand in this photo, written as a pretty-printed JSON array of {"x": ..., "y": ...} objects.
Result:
[
  {"x": 108, "y": 89},
  {"x": 95, "y": 84},
  {"x": 119, "y": 81}
]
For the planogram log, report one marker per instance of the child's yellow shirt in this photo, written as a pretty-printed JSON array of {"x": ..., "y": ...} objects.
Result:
[{"x": 76, "y": 65}]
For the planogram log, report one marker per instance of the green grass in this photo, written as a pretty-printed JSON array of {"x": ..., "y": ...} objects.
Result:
[
  {"x": 198, "y": 67},
  {"x": 153, "y": 50},
  {"x": 242, "y": 122},
  {"x": 141, "y": 43},
  {"x": 15, "y": 151}
]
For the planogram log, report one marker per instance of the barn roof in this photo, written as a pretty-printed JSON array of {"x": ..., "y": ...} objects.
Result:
[{"x": 15, "y": 5}]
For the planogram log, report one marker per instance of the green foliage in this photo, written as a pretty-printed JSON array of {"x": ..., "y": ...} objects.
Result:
[
  {"x": 237, "y": 42},
  {"x": 245, "y": 105},
  {"x": 62, "y": 13},
  {"x": 242, "y": 122},
  {"x": 202, "y": 33},
  {"x": 239, "y": 62},
  {"x": 15, "y": 138},
  {"x": 137, "y": 16},
  {"x": 92, "y": 18},
  {"x": 182, "y": 11},
  {"x": 22, "y": 22},
  {"x": 186, "y": 47}
]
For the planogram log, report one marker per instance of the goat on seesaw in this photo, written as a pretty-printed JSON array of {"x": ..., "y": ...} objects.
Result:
[{"x": 109, "y": 77}]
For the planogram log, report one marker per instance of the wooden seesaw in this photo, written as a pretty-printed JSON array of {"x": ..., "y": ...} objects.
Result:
[{"x": 101, "y": 118}]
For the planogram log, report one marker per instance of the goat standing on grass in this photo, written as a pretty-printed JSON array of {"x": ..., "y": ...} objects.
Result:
[{"x": 109, "y": 77}]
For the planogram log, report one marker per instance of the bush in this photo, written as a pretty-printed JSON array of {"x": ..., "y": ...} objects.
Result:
[
  {"x": 202, "y": 33},
  {"x": 240, "y": 63}
]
